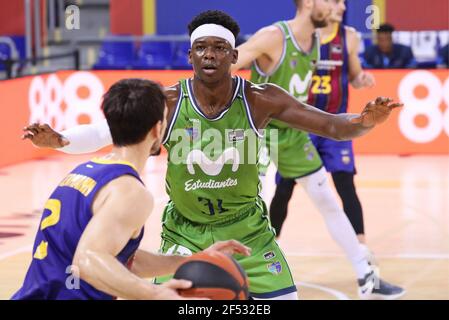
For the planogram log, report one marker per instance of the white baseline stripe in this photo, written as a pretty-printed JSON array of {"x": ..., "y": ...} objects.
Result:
[{"x": 438, "y": 256}]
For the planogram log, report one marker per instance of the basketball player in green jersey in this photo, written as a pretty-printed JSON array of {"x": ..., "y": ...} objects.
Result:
[
  {"x": 286, "y": 54},
  {"x": 212, "y": 175},
  {"x": 289, "y": 62}
]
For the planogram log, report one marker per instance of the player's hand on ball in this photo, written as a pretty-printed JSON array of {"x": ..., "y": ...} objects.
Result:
[
  {"x": 43, "y": 136},
  {"x": 169, "y": 290},
  {"x": 376, "y": 112},
  {"x": 230, "y": 247}
]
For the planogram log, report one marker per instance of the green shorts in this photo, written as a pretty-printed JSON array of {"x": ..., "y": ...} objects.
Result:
[
  {"x": 267, "y": 269},
  {"x": 294, "y": 154}
]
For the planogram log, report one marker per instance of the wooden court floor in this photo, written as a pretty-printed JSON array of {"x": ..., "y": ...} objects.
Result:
[{"x": 406, "y": 208}]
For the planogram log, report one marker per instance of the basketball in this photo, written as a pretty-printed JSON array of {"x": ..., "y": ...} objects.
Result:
[{"x": 214, "y": 275}]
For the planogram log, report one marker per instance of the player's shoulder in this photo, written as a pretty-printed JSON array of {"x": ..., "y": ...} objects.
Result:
[
  {"x": 352, "y": 38},
  {"x": 271, "y": 33},
  {"x": 273, "y": 29},
  {"x": 172, "y": 94},
  {"x": 262, "y": 91},
  {"x": 125, "y": 191},
  {"x": 350, "y": 29},
  {"x": 172, "y": 91},
  {"x": 351, "y": 32},
  {"x": 130, "y": 189}
]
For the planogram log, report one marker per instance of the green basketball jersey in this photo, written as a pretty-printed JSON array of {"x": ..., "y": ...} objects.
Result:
[
  {"x": 212, "y": 172},
  {"x": 294, "y": 71}
]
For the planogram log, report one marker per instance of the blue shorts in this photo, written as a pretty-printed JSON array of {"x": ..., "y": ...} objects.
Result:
[{"x": 336, "y": 155}]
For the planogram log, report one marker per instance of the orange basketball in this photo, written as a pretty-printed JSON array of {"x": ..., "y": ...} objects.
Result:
[{"x": 214, "y": 275}]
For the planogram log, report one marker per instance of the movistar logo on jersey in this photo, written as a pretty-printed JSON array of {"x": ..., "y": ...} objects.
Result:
[
  {"x": 216, "y": 159},
  {"x": 211, "y": 167},
  {"x": 299, "y": 87}
]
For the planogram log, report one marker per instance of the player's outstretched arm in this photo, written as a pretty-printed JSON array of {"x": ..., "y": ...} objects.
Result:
[
  {"x": 256, "y": 46},
  {"x": 76, "y": 140},
  {"x": 120, "y": 211},
  {"x": 276, "y": 103},
  {"x": 84, "y": 138}
]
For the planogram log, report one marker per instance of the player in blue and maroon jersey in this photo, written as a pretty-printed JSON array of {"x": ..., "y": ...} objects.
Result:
[{"x": 338, "y": 67}]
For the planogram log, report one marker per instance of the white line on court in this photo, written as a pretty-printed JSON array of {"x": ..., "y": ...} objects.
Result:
[
  {"x": 437, "y": 256},
  {"x": 15, "y": 252},
  {"x": 338, "y": 294}
]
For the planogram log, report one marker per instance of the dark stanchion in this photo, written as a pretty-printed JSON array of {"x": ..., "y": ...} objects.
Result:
[
  {"x": 76, "y": 54},
  {"x": 9, "y": 63}
]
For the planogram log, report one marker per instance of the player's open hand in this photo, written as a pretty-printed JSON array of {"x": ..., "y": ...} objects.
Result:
[
  {"x": 376, "y": 112},
  {"x": 230, "y": 247},
  {"x": 43, "y": 136}
]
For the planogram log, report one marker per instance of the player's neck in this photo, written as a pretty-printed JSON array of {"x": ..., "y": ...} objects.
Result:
[
  {"x": 212, "y": 97},
  {"x": 302, "y": 28},
  {"x": 137, "y": 155}
]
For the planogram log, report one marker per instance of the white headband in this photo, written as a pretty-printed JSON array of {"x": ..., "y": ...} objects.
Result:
[{"x": 213, "y": 30}]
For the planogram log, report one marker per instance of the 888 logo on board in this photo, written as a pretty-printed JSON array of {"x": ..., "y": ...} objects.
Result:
[
  {"x": 422, "y": 119},
  {"x": 63, "y": 103}
]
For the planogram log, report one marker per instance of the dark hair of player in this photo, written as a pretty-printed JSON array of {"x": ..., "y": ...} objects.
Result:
[
  {"x": 132, "y": 107},
  {"x": 216, "y": 17}
]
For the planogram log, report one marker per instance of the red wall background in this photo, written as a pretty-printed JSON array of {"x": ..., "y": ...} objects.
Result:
[
  {"x": 126, "y": 17},
  {"x": 387, "y": 138},
  {"x": 416, "y": 15},
  {"x": 12, "y": 17}
]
